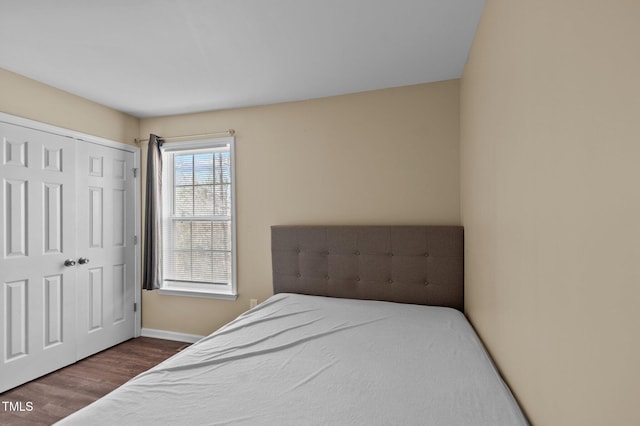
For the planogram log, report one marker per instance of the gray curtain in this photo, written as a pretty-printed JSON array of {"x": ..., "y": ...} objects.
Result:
[{"x": 152, "y": 262}]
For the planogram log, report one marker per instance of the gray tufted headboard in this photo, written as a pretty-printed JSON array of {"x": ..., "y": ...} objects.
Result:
[{"x": 407, "y": 264}]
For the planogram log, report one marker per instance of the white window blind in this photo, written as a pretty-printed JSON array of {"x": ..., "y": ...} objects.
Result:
[{"x": 199, "y": 209}]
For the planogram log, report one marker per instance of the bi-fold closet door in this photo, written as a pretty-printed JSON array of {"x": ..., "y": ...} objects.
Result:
[{"x": 67, "y": 255}]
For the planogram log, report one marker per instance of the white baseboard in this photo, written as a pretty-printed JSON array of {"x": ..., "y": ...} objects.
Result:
[{"x": 170, "y": 335}]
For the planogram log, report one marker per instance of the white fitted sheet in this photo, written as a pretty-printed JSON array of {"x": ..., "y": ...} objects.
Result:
[{"x": 300, "y": 360}]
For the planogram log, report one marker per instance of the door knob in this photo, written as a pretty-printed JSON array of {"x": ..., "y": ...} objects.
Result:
[
  {"x": 69, "y": 262},
  {"x": 83, "y": 260}
]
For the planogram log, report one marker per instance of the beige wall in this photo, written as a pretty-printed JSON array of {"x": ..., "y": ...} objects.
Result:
[
  {"x": 30, "y": 99},
  {"x": 550, "y": 189},
  {"x": 382, "y": 157}
]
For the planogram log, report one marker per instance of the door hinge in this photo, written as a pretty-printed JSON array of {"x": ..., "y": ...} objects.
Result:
[
  {"x": 135, "y": 307},
  {"x": 135, "y": 240},
  {"x": 135, "y": 172}
]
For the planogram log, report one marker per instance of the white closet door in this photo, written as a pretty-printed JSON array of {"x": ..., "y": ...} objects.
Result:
[
  {"x": 67, "y": 254},
  {"x": 105, "y": 230},
  {"x": 37, "y": 235}
]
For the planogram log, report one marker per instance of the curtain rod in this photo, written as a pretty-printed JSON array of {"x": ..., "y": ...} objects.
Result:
[{"x": 229, "y": 132}]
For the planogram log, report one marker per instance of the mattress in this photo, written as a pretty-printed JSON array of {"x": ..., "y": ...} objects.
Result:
[{"x": 303, "y": 360}]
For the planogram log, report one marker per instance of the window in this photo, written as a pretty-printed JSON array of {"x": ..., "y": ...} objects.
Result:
[{"x": 198, "y": 192}]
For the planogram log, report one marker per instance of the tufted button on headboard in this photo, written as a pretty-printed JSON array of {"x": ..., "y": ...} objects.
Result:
[{"x": 407, "y": 264}]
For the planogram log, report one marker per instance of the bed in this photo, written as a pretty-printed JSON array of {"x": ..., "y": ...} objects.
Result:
[{"x": 365, "y": 328}]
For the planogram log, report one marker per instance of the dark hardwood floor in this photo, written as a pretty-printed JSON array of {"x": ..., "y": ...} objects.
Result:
[{"x": 65, "y": 391}]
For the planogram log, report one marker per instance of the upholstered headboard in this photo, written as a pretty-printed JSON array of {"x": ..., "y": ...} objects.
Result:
[{"x": 407, "y": 264}]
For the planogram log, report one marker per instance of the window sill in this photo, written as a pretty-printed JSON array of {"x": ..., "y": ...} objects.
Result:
[{"x": 190, "y": 292}]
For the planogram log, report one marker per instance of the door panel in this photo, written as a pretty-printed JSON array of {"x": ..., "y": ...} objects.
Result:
[
  {"x": 16, "y": 310},
  {"x": 95, "y": 300},
  {"x": 16, "y": 217},
  {"x": 105, "y": 237},
  {"x": 52, "y": 218},
  {"x": 37, "y": 292},
  {"x": 95, "y": 217},
  {"x": 53, "y": 310}
]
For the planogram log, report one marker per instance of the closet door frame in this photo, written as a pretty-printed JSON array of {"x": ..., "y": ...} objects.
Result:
[{"x": 60, "y": 131}]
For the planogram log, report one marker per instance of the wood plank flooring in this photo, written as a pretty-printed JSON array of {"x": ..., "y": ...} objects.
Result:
[{"x": 65, "y": 391}]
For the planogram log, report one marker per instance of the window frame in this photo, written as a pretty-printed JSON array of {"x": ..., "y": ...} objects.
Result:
[{"x": 196, "y": 289}]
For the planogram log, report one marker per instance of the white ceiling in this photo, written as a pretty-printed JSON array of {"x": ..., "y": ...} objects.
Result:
[{"x": 161, "y": 57}]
